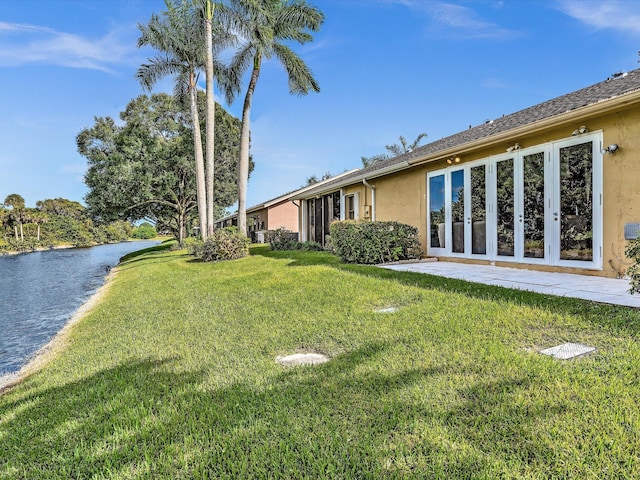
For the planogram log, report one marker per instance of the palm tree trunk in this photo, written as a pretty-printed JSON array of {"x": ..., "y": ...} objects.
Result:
[
  {"x": 211, "y": 114},
  {"x": 197, "y": 146},
  {"x": 243, "y": 164},
  {"x": 21, "y": 232}
]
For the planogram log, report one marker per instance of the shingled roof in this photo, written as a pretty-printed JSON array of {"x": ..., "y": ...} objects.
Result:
[{"x": 615, "y": 86}]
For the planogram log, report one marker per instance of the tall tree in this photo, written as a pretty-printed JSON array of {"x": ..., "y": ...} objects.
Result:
[
  {"x": 394, "y": 150},
  {"x": 208, "y": 8},
  {"x": 38, "y": 217},
  {"x": 179, "y": 37},
  {"x": 62, "y": 207},
  {"x": 265, "y": 27},
  {"x": 17, "y": 215},
  {"x": 4, "y": 220},
  {"x": 143, "y": 169}
]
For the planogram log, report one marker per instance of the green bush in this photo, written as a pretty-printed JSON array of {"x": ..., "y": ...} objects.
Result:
[
  {"x": 222, "y": 245},
  {"x": 145, "y": 231},
  {"x": 283, "y": 239},
  {"x": 191, "y": 244},
  {"x": 633, "y": 252},
  {"x": 374, "y": 242}
]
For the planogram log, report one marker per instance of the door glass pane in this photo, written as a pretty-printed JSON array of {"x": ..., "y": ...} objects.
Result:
[
  {"x": 350, "y": 207},
  {"x": 505, "y": 207},
  {"x": 534, "y": 205},
  {"x": 457, "y": 211},
  {"x": 478, "y": 210},
  {"x": 576, "y": 202},
  {"x": 317, "y": 219},
  {"x": 436, "y": 211}
]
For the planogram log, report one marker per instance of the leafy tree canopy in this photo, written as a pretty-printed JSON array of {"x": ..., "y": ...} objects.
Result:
[
  {"x": 53, "y": 222},
  {"x": 143, "y": 167}
]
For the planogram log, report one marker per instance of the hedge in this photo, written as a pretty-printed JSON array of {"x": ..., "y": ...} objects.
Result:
[{"x": 374, "y": 242}]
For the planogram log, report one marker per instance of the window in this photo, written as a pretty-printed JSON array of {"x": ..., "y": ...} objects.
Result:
[{"x": 350, "y": 202}]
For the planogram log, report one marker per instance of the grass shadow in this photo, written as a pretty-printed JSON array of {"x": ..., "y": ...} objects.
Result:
[{"x": 145, "y": 419}]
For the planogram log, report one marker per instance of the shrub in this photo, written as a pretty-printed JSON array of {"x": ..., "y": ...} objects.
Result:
[
  {"x": 119, "y": 231},
  {"x": 222, "y": 245},
  {"x": 283, "y": 239},
  {"x": 374, "y": 242},
  {"x": 145, "y": 231},
  {"x": 191, "y": 244},
  {"x": 633, "y": 252}
]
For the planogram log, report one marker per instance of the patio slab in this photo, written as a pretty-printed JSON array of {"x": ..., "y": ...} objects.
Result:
[{"x": 598, "y": 289}]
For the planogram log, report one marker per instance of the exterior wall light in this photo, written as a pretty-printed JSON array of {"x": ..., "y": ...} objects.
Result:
[
  {"x": 580, "y": 131},
  {"x": 514, "y": 147},
  {"x": 611, "y": 148},
  {"x": 452, "y": 160}
]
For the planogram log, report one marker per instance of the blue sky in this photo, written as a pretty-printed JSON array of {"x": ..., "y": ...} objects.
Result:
[{"x": 386, "y": 68}]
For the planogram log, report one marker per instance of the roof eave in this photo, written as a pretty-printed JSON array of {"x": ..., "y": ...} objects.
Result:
[
  {"x": 602, "y": 107},
  {"x": 357, "y": 179}
]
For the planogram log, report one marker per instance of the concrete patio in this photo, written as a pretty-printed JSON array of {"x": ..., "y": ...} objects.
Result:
[{"x": 598, "y": 289}]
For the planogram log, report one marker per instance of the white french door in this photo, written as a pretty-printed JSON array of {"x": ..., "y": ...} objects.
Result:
[
  {"x": 537, "y": 205},
  {"x": 520, "y": 208},
  {"x": 457, "y": 222},
  {"x": 577, "y": 202}
]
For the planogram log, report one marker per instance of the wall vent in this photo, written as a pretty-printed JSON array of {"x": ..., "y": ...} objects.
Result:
[{"x": 631, "y": 231}]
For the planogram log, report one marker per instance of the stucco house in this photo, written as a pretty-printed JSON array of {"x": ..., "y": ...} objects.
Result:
[
  {"x": 279, "y": 212},
  {"x": 553, "y": 187}
]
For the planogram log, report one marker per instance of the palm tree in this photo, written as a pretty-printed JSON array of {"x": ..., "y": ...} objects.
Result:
[
  {"x": 4, "y": 220},
  {"x": 404, "y": 147},
  {"x": 208, "y": 8},
  {"x": 394, "y": 150},
  {"x": 265, "y": 26},
  {"x": 39, "y": 218},
  {"x": 179, "y": 37},
  {"x": 17, "y": 215}
]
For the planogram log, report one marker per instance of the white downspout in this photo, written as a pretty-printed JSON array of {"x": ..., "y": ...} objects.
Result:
[{"x": 373, "y": 198}]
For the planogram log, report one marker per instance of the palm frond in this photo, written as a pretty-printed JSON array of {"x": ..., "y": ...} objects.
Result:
[
  {"x": 292, "y": 20},
  {"x": 158, "y": 67},
  {"x": 301, "y": 80}
]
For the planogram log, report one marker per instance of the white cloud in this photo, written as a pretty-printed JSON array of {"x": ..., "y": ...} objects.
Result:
[
  {"x": 622, "y": 15},
  {"x": 23, "y": 44},
  {"x": 457, "y": 21}
]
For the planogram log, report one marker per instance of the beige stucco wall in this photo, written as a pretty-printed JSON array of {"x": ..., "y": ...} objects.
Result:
[
  {"x": 621, "y": 186},
  {"x": 364, "y": 198},
  {"x": 402, "y": 196}
]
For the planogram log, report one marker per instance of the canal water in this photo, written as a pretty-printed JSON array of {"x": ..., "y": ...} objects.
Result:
[{"x": 40, "y": 291}]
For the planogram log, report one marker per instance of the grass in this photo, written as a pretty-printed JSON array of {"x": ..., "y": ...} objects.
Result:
[{"x": 173, "y": 375}]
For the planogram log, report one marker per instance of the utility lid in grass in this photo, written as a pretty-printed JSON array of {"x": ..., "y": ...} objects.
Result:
[
  {"x": 302, "y": 359},
  {"x": 386, "y": 310},
  {"x": 568, "y": 350}
]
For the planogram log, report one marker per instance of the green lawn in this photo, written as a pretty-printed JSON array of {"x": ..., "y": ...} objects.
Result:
[{"x": 173, "y": 375}]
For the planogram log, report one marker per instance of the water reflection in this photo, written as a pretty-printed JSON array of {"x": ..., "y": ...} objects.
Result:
[{"x": 40, "y": 291}]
